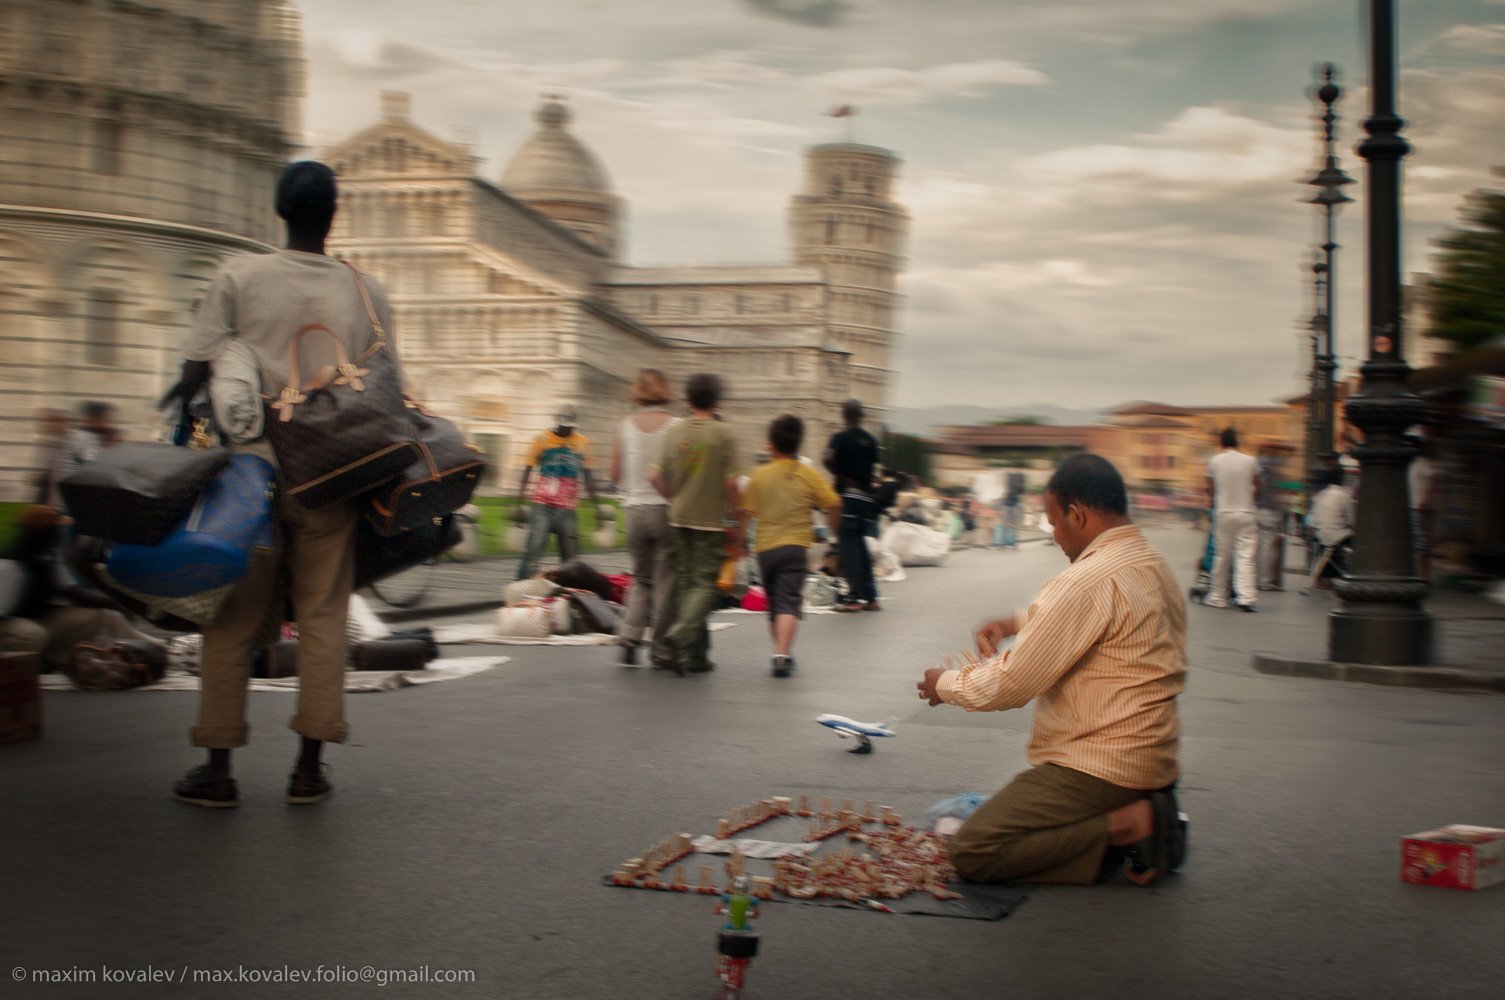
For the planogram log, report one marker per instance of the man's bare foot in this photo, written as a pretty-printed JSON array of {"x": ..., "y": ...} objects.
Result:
[{"x": 1131, "y": 824}]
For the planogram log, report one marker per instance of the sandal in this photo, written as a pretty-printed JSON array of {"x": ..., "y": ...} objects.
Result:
[{"x": 847, "y": 608}]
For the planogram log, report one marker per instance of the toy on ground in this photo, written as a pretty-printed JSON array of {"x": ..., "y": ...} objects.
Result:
[
  {"x": 883, "y": 860},
  {"x": 865, "y": 732},
  {"x": 736, "y": 942}
]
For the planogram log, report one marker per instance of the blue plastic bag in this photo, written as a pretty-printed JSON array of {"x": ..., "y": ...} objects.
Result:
[
  {"x": 959, "y": 806},
  {"x": 212, "y": 547}
]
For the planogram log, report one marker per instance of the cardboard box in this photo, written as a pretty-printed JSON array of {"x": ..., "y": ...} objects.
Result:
[
  {"x": 20, "y": 697},
  {"x": 1455, "y": 857}
]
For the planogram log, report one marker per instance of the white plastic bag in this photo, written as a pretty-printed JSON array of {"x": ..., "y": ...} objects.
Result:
[{"x": 916, "y": 545}]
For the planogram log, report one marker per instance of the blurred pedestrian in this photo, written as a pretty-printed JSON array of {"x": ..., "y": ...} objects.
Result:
[
  {"x": 562, "y": 457},
  {"x": 1270, "y": 515},
  {"x": 1421, "y": 480},
  {"x": 638, "y": 444},
  {"x": 782, "y": 495},
  {"x": 1331, "y": 521},
  {"x": 851, "y": 456},
  {"x": 697, "y": 473},
  {"x": 1234, "y": 483}
]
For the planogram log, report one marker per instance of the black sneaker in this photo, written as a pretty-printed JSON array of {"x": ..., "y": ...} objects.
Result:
[
  {"x": 629, "y": 654},
  {"x": 304, "y": 788},
  {"x": 783, "y": 666},
  {"x": 202, "y": 787}
]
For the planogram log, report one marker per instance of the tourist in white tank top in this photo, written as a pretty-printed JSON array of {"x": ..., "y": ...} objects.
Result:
[{"x": 635, "y": 451}]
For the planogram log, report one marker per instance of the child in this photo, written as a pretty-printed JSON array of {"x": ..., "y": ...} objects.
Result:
[{"x": 781, "y": 494}]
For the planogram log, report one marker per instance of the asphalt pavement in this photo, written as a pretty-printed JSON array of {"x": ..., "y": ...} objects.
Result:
[{"x": 474, "y": 819}]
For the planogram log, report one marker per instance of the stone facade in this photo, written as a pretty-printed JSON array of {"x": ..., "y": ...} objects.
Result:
[
  {"x": 510, "y": 301},
  {"x": 138, "y": 142}
]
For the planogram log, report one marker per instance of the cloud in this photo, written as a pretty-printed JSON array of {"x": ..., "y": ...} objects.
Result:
[
  {"x": 1485, "y": 38},
  {"x": 814, "y": 13},
  {"x": 888, "y": 85}
]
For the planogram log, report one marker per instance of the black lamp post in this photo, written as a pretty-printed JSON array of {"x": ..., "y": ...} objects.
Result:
[
  {"x": 1382, "y": 620},
  {"x": 1315, "y": 452},
  {"x": 1329, "y": 181}
]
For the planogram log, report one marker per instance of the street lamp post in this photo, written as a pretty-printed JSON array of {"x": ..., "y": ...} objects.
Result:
[
  {"x": 1316, "y": 451},
  {"x": 1382, "y": 620},
  {"x": 1329, "y": 181}
]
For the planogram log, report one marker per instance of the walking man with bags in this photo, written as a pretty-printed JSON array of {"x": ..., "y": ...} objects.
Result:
[{"x": 260, "y": 301}]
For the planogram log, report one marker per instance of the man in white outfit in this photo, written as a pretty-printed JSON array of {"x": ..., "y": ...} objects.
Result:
[{"x": 1234, "y": 476}]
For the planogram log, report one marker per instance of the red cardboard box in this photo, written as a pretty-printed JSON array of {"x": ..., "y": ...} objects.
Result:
[
  {"x": 1455, "y": 857},
  {"x": 20, "y": 697}
]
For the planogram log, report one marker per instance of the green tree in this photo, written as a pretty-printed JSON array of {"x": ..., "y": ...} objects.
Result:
[
  {"x": 1468, "y": 285},
  {"x": 908, "y": 453}
]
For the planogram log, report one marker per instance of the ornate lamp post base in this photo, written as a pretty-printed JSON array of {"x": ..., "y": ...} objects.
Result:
[{"x": 1388, "y": 634}]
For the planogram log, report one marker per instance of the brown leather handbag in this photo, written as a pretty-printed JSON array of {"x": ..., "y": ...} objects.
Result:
[
  {"x": 347, "y": 429},
  {"x": 441, "y": 481}
]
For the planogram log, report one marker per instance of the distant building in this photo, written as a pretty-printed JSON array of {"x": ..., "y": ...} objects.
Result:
[
  {"x": 139, "y": 143},
  {"x": 510, "y": 299},
  {"x": 1160, "y": 449}
]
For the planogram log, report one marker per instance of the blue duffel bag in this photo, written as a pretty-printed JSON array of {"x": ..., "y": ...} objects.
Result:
[{"x": 211, "y": 549}]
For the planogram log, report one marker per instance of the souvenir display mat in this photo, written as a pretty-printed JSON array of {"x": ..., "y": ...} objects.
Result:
[{"x": 850, "y": 856}]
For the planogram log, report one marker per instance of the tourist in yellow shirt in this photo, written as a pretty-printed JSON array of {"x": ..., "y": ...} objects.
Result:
[{"x": 781, "y": 495}]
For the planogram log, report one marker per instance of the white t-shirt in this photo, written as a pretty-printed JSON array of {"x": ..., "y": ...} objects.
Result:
[
  {"x": 1331, "y": 517},
  {"x": 1233, "y": 474},
  {"x": 1419, "y": 481}
]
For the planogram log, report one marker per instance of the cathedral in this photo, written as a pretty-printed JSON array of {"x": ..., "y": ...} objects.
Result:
[
  {"x": 511, "y": 300},
  {"x": 141, "y": 145}
]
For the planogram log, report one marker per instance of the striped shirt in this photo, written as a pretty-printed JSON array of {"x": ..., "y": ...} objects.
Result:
[{"x": 1102, "y": 652}]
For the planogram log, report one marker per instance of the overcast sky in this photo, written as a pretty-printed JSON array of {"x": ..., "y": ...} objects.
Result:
[{"x": 1104, "y": 193}]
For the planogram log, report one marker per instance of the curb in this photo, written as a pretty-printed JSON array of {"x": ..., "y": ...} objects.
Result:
[{"x": 1447, "y": 678}]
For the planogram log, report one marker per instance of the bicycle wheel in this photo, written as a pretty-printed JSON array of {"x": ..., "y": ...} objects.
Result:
[{"x": 406, "y": 589}]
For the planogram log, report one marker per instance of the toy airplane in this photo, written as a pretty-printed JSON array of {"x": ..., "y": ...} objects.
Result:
[{"x": 864, "y": 731}]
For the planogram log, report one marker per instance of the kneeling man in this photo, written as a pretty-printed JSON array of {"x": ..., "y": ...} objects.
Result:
[{"x": 1102, "y": 653}]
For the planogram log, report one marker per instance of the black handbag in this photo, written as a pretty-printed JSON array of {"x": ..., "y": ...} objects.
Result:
[
  {"x": 379, "y": 556},
  {"x": 447, "y": 472},
  {"x": 138, "y": 492},
  {"x": 347, "y": 429}
]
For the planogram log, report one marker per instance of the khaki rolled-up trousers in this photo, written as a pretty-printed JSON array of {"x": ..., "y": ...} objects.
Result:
[
  {"x": 317, "y": 548},
  {"x": 1048, "y": 825}
]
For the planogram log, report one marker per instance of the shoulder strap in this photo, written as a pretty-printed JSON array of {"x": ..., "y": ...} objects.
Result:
[{"x": 360, "y": 284}]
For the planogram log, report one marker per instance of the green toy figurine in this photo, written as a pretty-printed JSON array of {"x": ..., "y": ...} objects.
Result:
[
  {"x": 737, "y": 942},
  {"x": 738, "y": 905}
]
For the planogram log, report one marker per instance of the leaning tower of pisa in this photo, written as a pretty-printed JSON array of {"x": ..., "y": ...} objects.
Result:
[
  {"x": 847, "y": 223},
  {"x": 139, "y": 145}
]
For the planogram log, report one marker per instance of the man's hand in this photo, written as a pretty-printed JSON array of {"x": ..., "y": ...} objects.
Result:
[
  {"x": 989, "y": 634},
  {"x": 927, "y": 686},
  {"x": 195, "y": 375}
]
